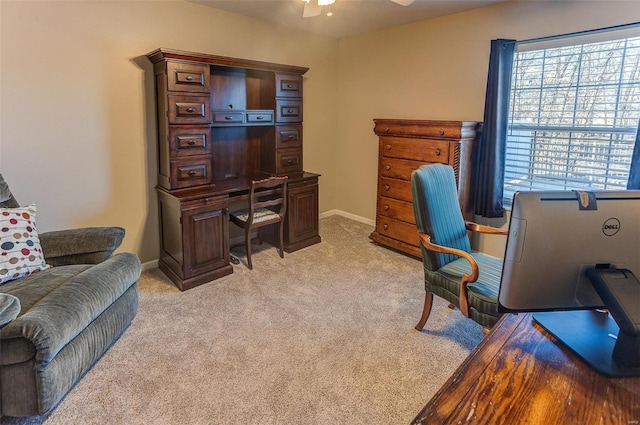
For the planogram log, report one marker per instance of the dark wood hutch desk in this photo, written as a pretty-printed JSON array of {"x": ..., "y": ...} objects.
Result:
[
  {"x": 520, "y": 375},
  {"x": 223, "y": 122}
]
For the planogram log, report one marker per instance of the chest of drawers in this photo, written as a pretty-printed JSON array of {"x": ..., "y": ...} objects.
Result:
[{"x": 405, "y": 145}]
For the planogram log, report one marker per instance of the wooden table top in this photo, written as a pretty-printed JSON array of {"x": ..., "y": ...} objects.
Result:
[{"x": 520, "y": 375}]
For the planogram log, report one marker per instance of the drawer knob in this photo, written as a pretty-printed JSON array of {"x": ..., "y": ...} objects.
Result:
[
  {"x": 290, "y": 137},
  {"x": 191, "y": 110},
  {"x": 385, "y": 226},
  {"x": 228, "y": 118},
  {"x": 289, "y": 86},
  {"x": 259, "y": 117},
  {"x": 441, "y": 132},
  {"x": 192, "y": 142},
  {"x": 387, "y": 167},
  {"x": 388, "y": 147},
  {"x": 386, "y": 130},
  {"x": 189, "y": 78},
  {"x": 192, "y": 173},
  {"x": 291, "y": 161},
  {"x": 387, "y": 187},
  {"x": 438, "y": 152},
  {"x": 386, "y": 207},
  {"x": 290, "y": 111}
]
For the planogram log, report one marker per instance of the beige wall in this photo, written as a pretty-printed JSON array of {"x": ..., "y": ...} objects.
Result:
[
  {"x": 77, "y": 132},
  {"x": 77, "y": 135},
  {"x": 437, "y": 69}
]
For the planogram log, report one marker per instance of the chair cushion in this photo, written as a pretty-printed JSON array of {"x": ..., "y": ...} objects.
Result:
[
  {"x": 59, "y": 303},
  {"x": 259, "y": 215},
  {"x": 483, "y": 294}
]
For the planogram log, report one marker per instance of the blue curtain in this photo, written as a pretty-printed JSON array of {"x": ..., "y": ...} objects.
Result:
[
  {"x": 634, "y": 170},
  {"x": 490, "y": 151}
]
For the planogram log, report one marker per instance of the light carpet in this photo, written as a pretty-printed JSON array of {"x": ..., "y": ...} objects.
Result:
[{"x": 323, "y": 336}]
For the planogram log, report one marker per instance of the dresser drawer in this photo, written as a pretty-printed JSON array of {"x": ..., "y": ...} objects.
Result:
[
  {"x": 288, "y": 85},
  {"x": 288, "y": 136},
  {"x": 187, "y": 77},
  {"x": 288, "y": 110},
  {"x": 184, "y": 141},
  {"x": 398, "y": 210},
  {"x": 398, "y": 230},
  {"x": 398, "y": 168},
  {"x": 228, "y": 117},
  {"x": 288, "y": 160},
  {"x": 425, "y": 150},
  {"x": 397, "y": 189},
  {"x": 188, "y": 109},
  {"x": 191, "y": 172}
]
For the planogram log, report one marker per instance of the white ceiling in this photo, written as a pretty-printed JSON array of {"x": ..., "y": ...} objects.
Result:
[{"x": 350, "y": 17}]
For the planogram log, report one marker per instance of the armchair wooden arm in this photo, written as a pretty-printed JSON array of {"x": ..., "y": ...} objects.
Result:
[
  {"x": 466, "y": 278},
  {"x": 481, "y": 228}
]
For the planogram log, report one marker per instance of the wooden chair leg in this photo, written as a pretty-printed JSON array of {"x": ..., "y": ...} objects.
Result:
[
  {"x": 281, "y": 239},
  {"x": 428, "y": 302},
  {"x": 247, "y": 239}
]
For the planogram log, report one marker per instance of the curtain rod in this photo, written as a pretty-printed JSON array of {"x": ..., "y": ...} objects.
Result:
[{"x": 579, "y": 33}]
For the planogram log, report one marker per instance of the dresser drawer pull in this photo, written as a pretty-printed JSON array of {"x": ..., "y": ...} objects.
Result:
[
  {"x": 441, "y": 132},
  {"x": 289, "y": 86},
  {"x": 228, "y": 118},
  {"x": 290, "y": 111},
  {"x": 387, "y": 167},
  {"x": 386, "y": 130},
  {"x": 385, "y": 226},
  {"x": 189, "y": 78},
  {"x": 387, "y": 187},
  {"x": 192, "y": 142},
  {"x": 386, "y": 207},
  {"x": 192, "y": 173},
  {"x": 191, "y": 110},
  {"x": 388, "y": 147},
  {"x": 290, "y": 137},
  {"x": 259, "y": 117},
  {"x": 438, "y": 152},
  {"x": 291, "y": 161}
]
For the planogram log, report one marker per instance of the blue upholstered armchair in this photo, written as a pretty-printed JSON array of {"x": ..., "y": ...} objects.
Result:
[{"x": 468, "y": 280}]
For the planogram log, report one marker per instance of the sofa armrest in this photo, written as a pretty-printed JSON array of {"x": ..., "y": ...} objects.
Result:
[{"x": 89, "y": 245}]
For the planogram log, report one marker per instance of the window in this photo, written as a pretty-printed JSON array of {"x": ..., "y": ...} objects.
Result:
[{"x": 574, "y": 112}]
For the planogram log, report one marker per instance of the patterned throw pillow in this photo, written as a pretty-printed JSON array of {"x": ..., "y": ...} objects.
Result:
[{"x": 20, "y": 251}]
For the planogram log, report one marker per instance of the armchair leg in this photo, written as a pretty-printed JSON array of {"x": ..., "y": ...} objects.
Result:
[
  {"x": 428, "y": 302},
  {"x": 281, "y": 239}
]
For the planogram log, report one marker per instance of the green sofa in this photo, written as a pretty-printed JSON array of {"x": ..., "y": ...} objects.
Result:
[{"x": 70, "y": 314}]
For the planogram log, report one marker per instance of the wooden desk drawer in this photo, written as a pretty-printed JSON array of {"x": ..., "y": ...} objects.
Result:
[
  {"x": 288, "y": 85},
  {"x": 415, "y": 149},
  {"x": 228, "y": 117},
  {"x": 188, "y": 109},
  {"x": 188, "y": 77},
  {"x": 191, "y": 172},
  {"x": 288, "y": 160},
  {"x": 398, "y": 210},
  {"x": 398, "y": 189},
  {"x": 264, "y": 117},
  {"x": 398, "y": 230},
  {"x": 398, "y": 168},
  {"x": 288, "y": 110},
  {"x": 184, "y": 141},
  {"x": 288, "y": 136}
]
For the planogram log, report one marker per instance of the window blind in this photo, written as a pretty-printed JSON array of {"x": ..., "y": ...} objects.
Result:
[{"x": 574, "y": 112}]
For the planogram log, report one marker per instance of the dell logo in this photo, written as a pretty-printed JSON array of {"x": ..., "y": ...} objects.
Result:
[{"x": 611, "y": 227}]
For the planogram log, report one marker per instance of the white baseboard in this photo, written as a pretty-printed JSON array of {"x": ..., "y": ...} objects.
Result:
[
  {"x": 348, "y": 215},
  {"x": 150, "y": 265}
]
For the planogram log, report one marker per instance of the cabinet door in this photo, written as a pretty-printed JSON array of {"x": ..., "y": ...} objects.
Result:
[
  {"x": 206, "y": 238},
  {"x": 302, "y": 220}
]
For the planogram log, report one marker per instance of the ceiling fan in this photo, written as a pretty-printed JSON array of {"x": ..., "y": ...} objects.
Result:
[{"x": 314, "y": 7}]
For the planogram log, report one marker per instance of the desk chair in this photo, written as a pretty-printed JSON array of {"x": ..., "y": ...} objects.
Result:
[
  {"x": 468, "y": 280},
  {"x": 267, "y": 206}
]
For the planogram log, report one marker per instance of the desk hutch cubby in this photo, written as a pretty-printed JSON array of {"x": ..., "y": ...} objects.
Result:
[
  {"x": 403, "y": 146},
  {"x": 223, "y": 122}
]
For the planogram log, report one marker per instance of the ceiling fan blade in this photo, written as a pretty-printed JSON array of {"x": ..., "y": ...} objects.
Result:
[
  {"x": 311, "y": 9},
  {"x": 403, "y": 2}
]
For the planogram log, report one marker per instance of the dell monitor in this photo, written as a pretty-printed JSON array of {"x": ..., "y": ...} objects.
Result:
[{"x": 573, "y": 258}]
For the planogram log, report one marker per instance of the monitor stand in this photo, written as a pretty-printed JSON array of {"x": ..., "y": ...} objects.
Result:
[{"x": 593, "y": 336}]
